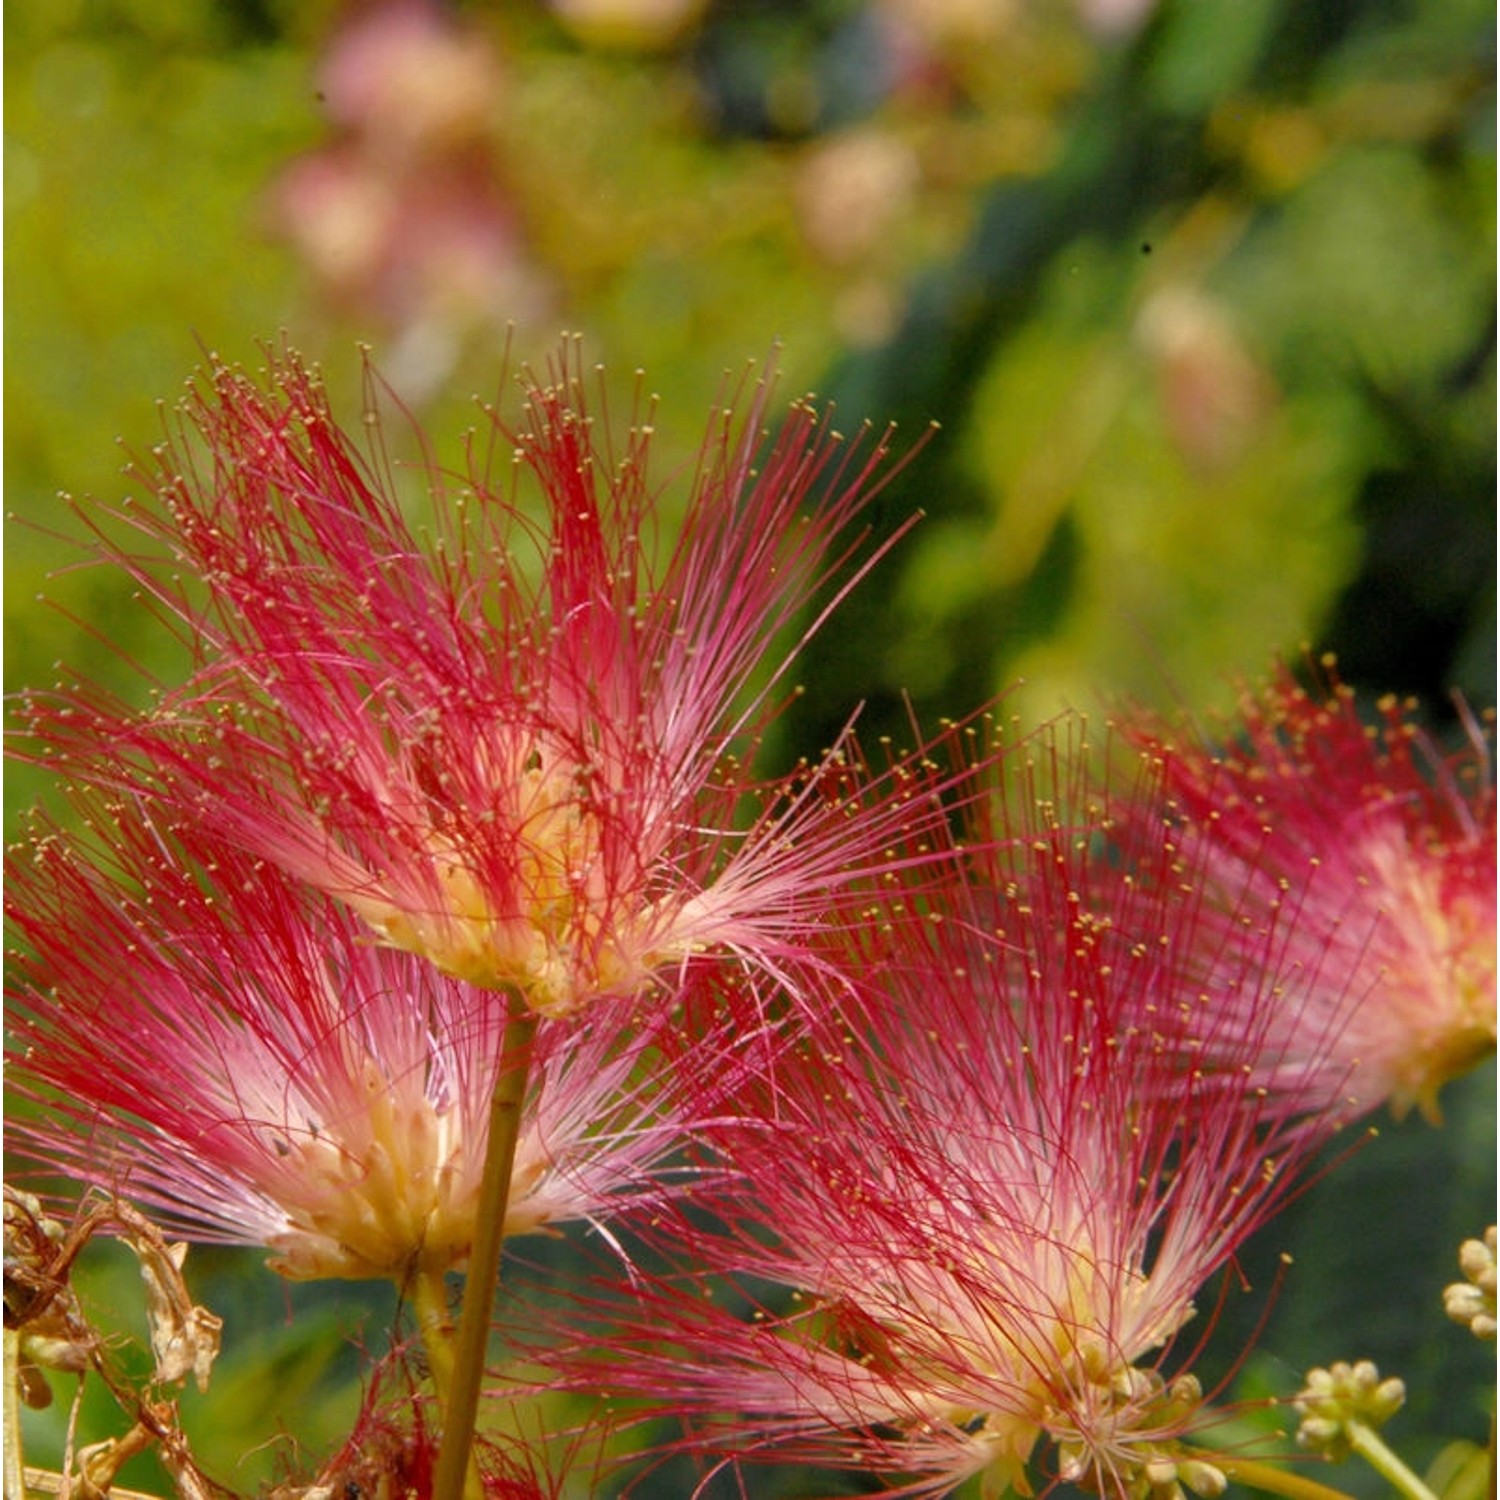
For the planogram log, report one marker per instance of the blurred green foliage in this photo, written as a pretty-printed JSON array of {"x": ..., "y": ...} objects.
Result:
[{"x": 1202, "y": 294}]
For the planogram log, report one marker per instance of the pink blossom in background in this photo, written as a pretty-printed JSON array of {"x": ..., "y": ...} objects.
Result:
[
  {"x": 405, "y": 215},
  {"x": 410, "y": 78},
  {"x": 1400, "y": 840},
  {"x": 432, "y": 257},
  {"x": 1217, "y": 401},
  {"x": 234, "y": 1053}
]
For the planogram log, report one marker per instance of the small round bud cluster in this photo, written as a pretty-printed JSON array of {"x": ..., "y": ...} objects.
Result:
[
  {"x": 1472, "y": 1302},
  {"x": 1338, "y": 1399}
]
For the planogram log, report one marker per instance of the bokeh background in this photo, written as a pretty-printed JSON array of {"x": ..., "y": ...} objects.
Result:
[{"x": 1202, "y": 293}]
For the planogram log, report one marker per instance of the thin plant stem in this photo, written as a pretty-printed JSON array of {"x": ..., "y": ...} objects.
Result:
[
  {"x": 1368, "y": 1444},
  {"x": 1274, "y": 1480},
  {"x": 13, "y": 1463},
  {"x": 429, "y": 1295},
  {"x": 45, "y": 1482},
  {"x": 455, "y": 1478}
]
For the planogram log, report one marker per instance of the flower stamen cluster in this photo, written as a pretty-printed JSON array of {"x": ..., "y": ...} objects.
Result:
[
  {"x": 1375, "y": 853},
  {"x": 997, "y": 1173},
  {"x": 516, "y": 750},
  {"x": 197, "y": 1029},
  {"x": 418, "y": 772}
]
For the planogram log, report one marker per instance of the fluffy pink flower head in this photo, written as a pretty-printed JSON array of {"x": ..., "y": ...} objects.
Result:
[
  {"x": 1402, "y": 840},
  {"x": 997, "y": 1191},
  {"x": 194, "y": 1031},
  {"x": 510, "y": 739}
]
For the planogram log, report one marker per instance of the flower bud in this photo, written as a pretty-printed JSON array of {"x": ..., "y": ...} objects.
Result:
[
  {"x": 1335, "y": 1399},
  {"x": 1472, "y": 1302},
  {"x": 1202, "y": 1478}
]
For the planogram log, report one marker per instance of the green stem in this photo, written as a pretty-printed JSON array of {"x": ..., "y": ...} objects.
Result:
[
  {"x": 455, "y": 1478},
  {"x": 1491, "y": 1490},
  {"x": 1367, "y": 1443},
  {"x": 1275, "y": 1481},
  {"x": 429, "y": 1295},
  {"x": 14, "y": 1468}
]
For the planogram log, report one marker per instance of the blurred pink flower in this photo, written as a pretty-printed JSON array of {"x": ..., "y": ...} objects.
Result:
[
  {"x": 1216, "y": 400},
  {"x": 996, "y": 1186},
  {"x": 513, "y": 742},
  {"x": 1115, "y": 20},
  {"x": 438, "y": 253},
  {"x": 405, "y": 215},
  {"x": 411, "y": 79},
  {"x": 195, "y": 1031},
  {"x": 1399, "y": 840}
]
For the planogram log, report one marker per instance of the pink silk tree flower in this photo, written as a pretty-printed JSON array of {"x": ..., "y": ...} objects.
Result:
[
  {"x": 192, "y": 1031},
  {"x": 511, "y": 738},
  {"x": 995, "y": 1192},
  {"x": 1402, "y": 840}
]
